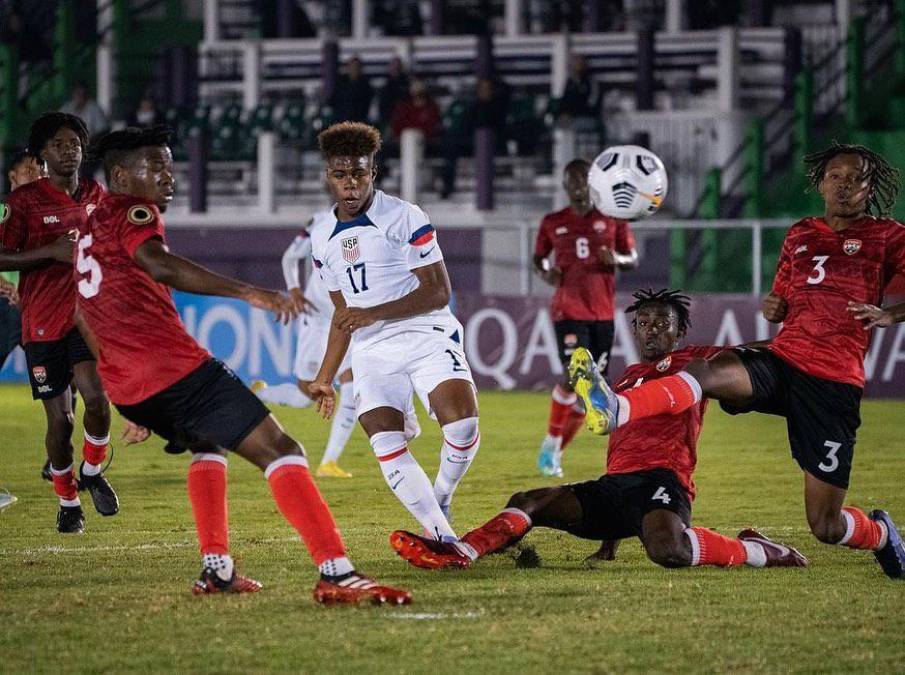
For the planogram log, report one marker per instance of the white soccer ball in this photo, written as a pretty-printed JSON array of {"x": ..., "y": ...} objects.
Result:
[{"x": 627, "y": 182}]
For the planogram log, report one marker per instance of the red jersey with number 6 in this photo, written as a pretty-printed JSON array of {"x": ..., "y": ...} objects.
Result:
[
  {"x": 143, "y": 346},
  {"x": 35, "y": 215},
  {"x": 820, "y": 271},
  {"x": 588, "y": 287},
  {"x": 662, "y": 441}
]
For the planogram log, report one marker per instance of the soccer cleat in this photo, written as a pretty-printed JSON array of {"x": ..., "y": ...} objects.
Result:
[
  {"x": 600, "y": 402},
  {"x": 70, "y": 520},
  {"x": 210, "y": 582},
  {"x": 777, "y": 554},
  {"x": 7, "y": 499},
  {"x": 548, "y": 461},
  {"x": 892, "y": 556},
  {"x": 353, "y": 588},
  {"x": 45, "y": 472},
  {"x": 105, "y": 500},
  {"x": 258, "y": 385},
  {"x": 331, "y": 470},
  {"x": 427, "y": 553}
]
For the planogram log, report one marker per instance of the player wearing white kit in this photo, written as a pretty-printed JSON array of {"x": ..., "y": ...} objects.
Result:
[{"x": 384, "y": 270}]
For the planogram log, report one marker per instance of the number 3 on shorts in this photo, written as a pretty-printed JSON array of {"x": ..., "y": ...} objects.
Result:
[{"x": 832, "y": 462}]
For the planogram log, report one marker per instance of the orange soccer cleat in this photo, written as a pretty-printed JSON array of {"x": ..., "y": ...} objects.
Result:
[
  {"x": 353, "y": 588},
  {"x": 427, "y": 553}
]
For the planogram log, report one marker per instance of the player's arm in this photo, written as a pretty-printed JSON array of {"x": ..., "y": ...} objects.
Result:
[
  {"x": 775, "y": 305},
  {"x": 59, "y": 250},
  {"x": 432, "y": 293},
  {"x": 298, "y": 250},
  {"x": 878, "y": 317},
  {"x": 184, "y": 275},
  {"x": 543, "y": 246},
  {"x": 625, "y": 255},
  {"x": 321, "y": 388}
]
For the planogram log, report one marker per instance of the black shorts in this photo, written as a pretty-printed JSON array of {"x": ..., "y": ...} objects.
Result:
[
  {"x": 50, "y": 363},
  {"x": 822, "y": 416},
  {"x": 208, "y": 409},
  {"x": 10, "y": 329},
  {"x": 595, "y": 336},
  {"x": 614, "y": 505}
]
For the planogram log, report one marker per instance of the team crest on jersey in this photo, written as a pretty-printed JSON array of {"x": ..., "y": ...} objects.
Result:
[
  {"x": 801, "y": 249},
  {"x": 851, "y": 246},
  {"x": 561, "y": 230},
  {"x": 40, "y": 374},
  {"x": 351, "y": 250},
  {"x": 89, "y": 209},
  {"x": 664, "y": 364},
  {"x": 4, "y": 213},
  {"x": 140, "y": 215},
  {"x": 599, "y": 226}
]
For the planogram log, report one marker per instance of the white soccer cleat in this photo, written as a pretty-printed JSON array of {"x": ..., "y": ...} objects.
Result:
[{"x": 7, "y": 499}]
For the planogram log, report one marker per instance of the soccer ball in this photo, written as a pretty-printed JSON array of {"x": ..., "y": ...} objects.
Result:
[{"x": 627, "y": 182}]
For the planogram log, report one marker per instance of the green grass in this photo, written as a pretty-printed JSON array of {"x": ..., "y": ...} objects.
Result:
[{"x": 116, "y": 599}]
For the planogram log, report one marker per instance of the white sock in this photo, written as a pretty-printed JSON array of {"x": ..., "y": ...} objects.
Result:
[
  {"x": 336, "y": 567},
  {"x": 221, "y": 564},
  {"x": 756, "y": 555},
  {"x": 285, "y": 394},
  {"x": 343, "y": 423},
  {"x": 409, "y": 483},
  {"x": 461, "y": 440},
  {"x": 90, "y": 469}
]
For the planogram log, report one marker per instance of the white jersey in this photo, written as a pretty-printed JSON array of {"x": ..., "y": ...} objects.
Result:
[
  {"x": 300, "y": 249},
  {"x": 370, "y": 259}
]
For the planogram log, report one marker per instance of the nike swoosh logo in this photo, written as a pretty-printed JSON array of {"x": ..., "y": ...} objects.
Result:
[
  {"x": 428, "y": 252},
  {"x": 397, "y": 483}
]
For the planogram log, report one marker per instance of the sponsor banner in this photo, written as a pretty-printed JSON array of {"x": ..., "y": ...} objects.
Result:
[{"x": 509, "y": 340}]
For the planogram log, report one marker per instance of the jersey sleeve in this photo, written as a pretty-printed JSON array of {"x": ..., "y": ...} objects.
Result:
[
  {"x": 326, "y": 274},
  {"x": 13, "y": 232},
  {"x": 138, "y": 224},
  {"x": 543, "y": 244},
  {"x": 298, "y": 250},
  {"x": 896, "y": 251},
  {"x": 783, "y": 271},
  {"x": 413, "y": 231},
  {"x": 625, "y": 240}
]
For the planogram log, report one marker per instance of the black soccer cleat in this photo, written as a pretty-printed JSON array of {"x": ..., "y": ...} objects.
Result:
[
  {"x": 105, "y": 500},
  {"x": 210, "y": 582},
  {"x": 70, "y": 520},
  {"x": 892, "y": 556},
  {"x": 45, "y": 472}
]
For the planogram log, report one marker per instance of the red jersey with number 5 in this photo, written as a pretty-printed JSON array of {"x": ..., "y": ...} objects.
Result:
[
  {"x": 588, "y": 288},
  {"x": 662, "y": 441},
  {"x": 143, "y": 346},
  {"x": 35, "y": 215},
  {"x": 820, "y": 271}
]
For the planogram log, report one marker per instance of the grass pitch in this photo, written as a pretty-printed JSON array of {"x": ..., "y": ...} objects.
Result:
[{"x": 117, "y": 599}]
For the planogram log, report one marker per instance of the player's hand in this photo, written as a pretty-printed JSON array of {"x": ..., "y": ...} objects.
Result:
[
  {"x": 775, "y": 308},
  {"x": 553, "y": 276},
  {"x": 871, "y": 315},
  {"x": 307, "y": 306},
  {"x": 324, "y": 397},
  {"x": 349, "y": 319},
  {"x": 284, "y": 307},
  {"x": 606, "y": 256},
  {"x": 134, "y": 434},
  {"x": 62, "y": 247},
  {"x": 9, "y": 291}
]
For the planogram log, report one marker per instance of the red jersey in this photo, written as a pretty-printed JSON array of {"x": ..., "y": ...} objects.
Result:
[
  {"x": 35, "y": 215},
  {"x": 588, "y": 288},
  {"x": 662, "y": 441},
  {"x": 143, "y": 346},
  {"x": 819, "y": 272}
]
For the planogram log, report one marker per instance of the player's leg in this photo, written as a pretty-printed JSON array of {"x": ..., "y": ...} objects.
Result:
[
  {"x": 569, "y": 336},
  {"x": 341, "y": 428},
  {"x": 455, "y": 404},
  {"x": 311, "y": 343}
]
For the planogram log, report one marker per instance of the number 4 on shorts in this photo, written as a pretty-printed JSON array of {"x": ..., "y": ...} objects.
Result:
[{"x": 661, "y": 495}]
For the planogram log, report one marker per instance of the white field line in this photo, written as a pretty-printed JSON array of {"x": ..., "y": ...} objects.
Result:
[
  {"x": 433, "y": 616},
  {"x": 160, "y": 546}
]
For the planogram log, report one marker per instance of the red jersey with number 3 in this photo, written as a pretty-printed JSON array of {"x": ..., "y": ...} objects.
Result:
[
  {"x": 820, "y": 271},
  {"x": 662, "y": 441},
  {"x": 588, "y": 288},
  {"x": 35, "y": 215},
  {"x": 143, "y": 346}
]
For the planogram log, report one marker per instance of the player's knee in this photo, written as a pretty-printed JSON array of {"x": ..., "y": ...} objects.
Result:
[
  {"x": 60, "y": 424},
  {"x": 461, "y": 433},
  {"x": 285, "y": 445},
  {"x": 388, "y": 444},
  {"x": 96, "y": 403},
  {"x": 668, "y": 552}
]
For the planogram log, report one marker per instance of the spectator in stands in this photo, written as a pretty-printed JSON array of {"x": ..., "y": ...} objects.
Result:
[
  {"x": 82, "y": 105},
  {"x": 146, "y": 114},
  {"x": 393, "y": 92},
  {"x": 352, "y": 98},
  {"x": 580, "y": 102},
  {"x": 418, "y": 111}
]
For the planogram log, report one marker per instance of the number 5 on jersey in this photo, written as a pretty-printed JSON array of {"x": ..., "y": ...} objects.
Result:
[{"x": 85, "y": 264}]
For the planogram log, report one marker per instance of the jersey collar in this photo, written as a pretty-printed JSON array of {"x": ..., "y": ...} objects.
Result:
[{"x": 361, "y": 221}]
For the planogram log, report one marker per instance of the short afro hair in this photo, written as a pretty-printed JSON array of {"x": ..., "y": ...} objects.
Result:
[
  {"x": 47, "y": 125},
  {"x": 115, "y": 148},
  {"x": 349, "y": 139}
]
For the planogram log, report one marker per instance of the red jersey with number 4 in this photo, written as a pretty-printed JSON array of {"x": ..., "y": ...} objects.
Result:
[
  {"x": 35, "y": 215},
  {"x": 820, "y": 271},
  {"x": 143, "y": 346},
  {"x": 662, "y": 441},
  {"x": 588, "y": 288}
]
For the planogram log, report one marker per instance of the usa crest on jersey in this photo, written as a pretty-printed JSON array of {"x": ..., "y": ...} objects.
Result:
[{"x": 351, "y": 250}]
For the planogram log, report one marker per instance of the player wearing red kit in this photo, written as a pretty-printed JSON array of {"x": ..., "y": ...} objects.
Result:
[
  {"x": 35, "y": 222},
  {"x": 828, "y": 289},
  {"x": 587, "y": 247},
  {"x": 648, "y": 488},
  {"x": 160, "y": 379}
]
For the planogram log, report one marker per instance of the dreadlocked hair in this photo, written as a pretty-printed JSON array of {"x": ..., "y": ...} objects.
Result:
[
  {"x": 116, "y": 147},
  {"x": 883, "y": 178},
  {"x": 349, "y": 139},
  {"x": 675, "y": 299},
  {"x": 47, "y": 125}
]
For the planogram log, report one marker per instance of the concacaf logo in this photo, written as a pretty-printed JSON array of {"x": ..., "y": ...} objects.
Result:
[
  {"x": 140, "y": 215},
  {"x": 4, "y": 213}
]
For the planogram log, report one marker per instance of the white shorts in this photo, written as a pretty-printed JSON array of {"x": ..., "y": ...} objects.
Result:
[
  {"x": 311, "y": 347},
  {"x": 388, "y": 373}
]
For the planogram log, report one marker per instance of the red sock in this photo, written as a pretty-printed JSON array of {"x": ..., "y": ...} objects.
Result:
[
  {"x": 561, "y": 404},
  {"x": 711, "y": 548},
  {"x": 503, "y": 530},
  {"x": 861, "y": 532},
  {"x": 207, "y": 493},
  {"x": 64, "y": 485},
  {"x": 573, "y": 424},
  {"x": 673, "y": 394},
  {"x": 95, "y": 449},
  {"x": 302, "y": 505}
]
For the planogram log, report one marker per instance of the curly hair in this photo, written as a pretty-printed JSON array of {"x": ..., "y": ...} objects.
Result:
[
  {"x": 115, "y": 148},
  {"x": 349, "y": 139},
  {"x": 675, "y": 299},
  {"x": 883, "y": 178},
  {"x": 47, "y": 125}
]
